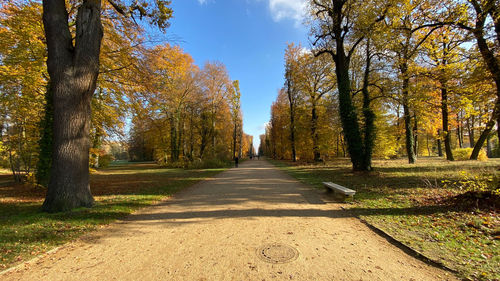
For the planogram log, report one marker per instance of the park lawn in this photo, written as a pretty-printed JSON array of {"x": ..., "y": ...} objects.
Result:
[
  {"x": 410, "y": 203},
  {"x": 25, "y": 232}
]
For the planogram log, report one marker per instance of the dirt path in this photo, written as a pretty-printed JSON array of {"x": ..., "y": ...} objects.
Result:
[{"x": 216, "y": 229}]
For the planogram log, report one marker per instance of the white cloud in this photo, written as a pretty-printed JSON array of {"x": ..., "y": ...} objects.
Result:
[
  {"x": 288, "y": 9},
  {"x": 202, "y": 2}
]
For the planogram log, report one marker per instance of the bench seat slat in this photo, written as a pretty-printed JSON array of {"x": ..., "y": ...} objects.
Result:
[{"x": 339, "y": 188}]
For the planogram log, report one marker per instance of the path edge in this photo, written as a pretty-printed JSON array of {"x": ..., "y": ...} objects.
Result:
[
  {"x": 117, "y": 221},
  {"x": 392, "y": 240},
  {"x": 407, "y": 249}
]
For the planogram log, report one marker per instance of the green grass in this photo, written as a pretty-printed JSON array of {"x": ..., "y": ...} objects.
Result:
[
  {"x": 406, "y": 201},
  {"x": 25, "y": 232}
]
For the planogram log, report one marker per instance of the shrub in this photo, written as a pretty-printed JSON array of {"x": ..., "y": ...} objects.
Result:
[
  {"x": 468, "y": 182},
  {"x": 464, "y": 154},
  {"x": 197, "y": 164},
  {"x": 99, "y": 158},
  {"x": 105, "y": 160}
]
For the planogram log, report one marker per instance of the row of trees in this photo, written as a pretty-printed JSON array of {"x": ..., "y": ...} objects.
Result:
[
  {"x": 183, "y": 113},
  {"x": 76, "y": 78},
  {"x": 385, "y": 77}
]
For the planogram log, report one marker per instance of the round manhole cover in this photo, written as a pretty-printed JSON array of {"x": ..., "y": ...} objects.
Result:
[{"x": 277, "y": 253}]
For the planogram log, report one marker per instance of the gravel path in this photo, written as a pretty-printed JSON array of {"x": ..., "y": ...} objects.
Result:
[{"x": 218, "y": 229}]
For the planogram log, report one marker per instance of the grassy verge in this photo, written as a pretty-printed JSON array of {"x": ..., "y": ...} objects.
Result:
[
  {"x": 409, "y": 203},
  {"x": 25, "y": 232}
]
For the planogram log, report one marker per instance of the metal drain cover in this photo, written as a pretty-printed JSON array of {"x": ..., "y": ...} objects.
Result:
[{"x": 277, "y": 253}]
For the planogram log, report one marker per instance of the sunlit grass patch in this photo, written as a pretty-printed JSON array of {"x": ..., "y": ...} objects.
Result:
[{"x": 412, "y": 204}]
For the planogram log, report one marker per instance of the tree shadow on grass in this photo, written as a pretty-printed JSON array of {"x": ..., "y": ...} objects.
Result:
[{"x": 197, "y": 216}]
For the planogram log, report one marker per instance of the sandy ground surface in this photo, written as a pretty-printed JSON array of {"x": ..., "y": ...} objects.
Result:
[{"x": 214, "y": 230}]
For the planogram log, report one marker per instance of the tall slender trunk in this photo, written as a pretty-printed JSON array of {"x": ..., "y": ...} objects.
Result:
[
  {"x": 368, "y": 114},
  {"x": 439, "y": 146},
  {"x": 314, "y": 132},
  {"x": 174, "y": 154},
  {"x": 446, "y": 129},
  {"x": 460, "y": 130},
  {"x": 180, "y": 136},
  {"x": 292, "y": 101},
  {"x": 470, "y": 130},
  {"x": 484, "y": 135},
  {"x": 415, "y": 135},
  {"x": 406, "y": 114},
  {"x": 233, "y": 154},
  {"x": 408, "y": 134},
  {"x": 191, "y": 137},
  {"x": 73, "y": 71},
  {"x": 427, "y": 144}
]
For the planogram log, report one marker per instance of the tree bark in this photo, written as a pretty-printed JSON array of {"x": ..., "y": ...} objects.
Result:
[
  {"x": 446, "y": 127},
  {"x": 348, "y": 114},
  {"x": 314, "y": 133},
  {"x": 408, "y": 132},
  {"x": 368, "y": 114},
  {"x": 484, "y": 135},
  {"x": 470, "y": 129},
  {"x": 73, "y": 72},
  {"x": 291, "y": 100},
  {"x": 406, "y": 115},
  {"x": 439, "y": 146}
]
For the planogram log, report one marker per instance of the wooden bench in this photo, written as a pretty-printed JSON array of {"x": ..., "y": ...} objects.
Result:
[{"x": 340, "y": 189}]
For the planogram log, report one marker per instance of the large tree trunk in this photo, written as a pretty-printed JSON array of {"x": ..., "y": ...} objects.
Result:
[
  {"x": 348, "y": 115},
  {"x": 73, "y": 74}
]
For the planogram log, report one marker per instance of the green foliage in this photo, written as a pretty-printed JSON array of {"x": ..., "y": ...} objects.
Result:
[
  {"x": 464, "y": 154},
  {"x": 99, "y": 158},
  {"x": 105, "y": 160}
]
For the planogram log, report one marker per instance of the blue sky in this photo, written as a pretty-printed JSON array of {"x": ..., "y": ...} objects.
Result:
[{"x": 249, "y": 37}]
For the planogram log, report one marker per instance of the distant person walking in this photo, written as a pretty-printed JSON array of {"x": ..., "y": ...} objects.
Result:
[
  {"x": 258, "y": 156},
  {"x": 236, "y": 162}
]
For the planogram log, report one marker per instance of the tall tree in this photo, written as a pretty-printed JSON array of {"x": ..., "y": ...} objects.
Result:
[
  {"x": 291, "y": 71},
  {"x": 445, "y": 57},
  {"x": 340, "y": 26},
  {"x": 482, "y": 19},
  {"x": 73, "y": 67},
  {"x": 410, "y": 25},
  {"x": 235, "y": 106},
  {"x": 315, "y": 80}
]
